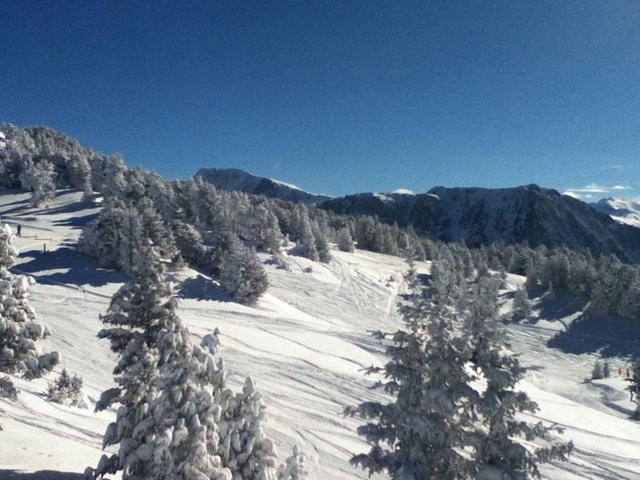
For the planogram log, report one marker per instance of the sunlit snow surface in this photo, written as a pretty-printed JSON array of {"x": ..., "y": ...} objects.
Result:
[{"x": 305, "y": 344}]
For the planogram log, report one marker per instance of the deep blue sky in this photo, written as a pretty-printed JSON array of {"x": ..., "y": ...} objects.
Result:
[{"x": 339, "y": 97}]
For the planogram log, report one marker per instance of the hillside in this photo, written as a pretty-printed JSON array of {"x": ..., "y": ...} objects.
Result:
[
  {"x": 480, "y": 216},
  {"x": 233, "y": 179},
  {"x": 305, "y": 343}
]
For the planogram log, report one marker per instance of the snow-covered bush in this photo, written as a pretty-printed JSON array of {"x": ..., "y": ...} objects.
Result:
[
  {"x": 293, "y": 468},
  {"x": 7, "y": 389},
  {"x": 67, "y": 390},
  {"x": 597, "y": 371}
]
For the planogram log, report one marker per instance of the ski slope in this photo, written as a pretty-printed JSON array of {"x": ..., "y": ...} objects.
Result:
[{"x": 305, "y": 344}]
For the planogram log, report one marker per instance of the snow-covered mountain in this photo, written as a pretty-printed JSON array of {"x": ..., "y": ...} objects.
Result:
[
  {"x": 478, "y": 216},
  {"x": 305, "y": 344},
  {"x": 623, "y": 211},
  {"x": 239, "y": 180}
]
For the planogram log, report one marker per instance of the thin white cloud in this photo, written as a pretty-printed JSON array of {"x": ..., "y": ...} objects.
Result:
[
  {"x": 621, "y": 187},
  {"x": 591, "y": 188}
]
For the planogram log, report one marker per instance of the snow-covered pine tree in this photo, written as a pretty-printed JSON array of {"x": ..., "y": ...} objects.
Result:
[
  {"x": 20, "y": 334},
  {"x": 165, "y": 408},
  {"x": 322, "y": 244},
  {"x": 185, "y": 408},
  {"x": 499, "y": 404},
  {"x": 245, "y": 448},
  {"x": 422, "y": 433},
  {"x": 113, "y": 176},
  {"x": 306, "y": 242},
  {"x": 606, "y": 369},
  {"x": 242, "y": 274},
  {"x": 344, "y": 240},
  {"x": 293, "y": 467},
  {"x": 39, "y": 179},
  {"x": 67, "y": 390},
  {"x": 521, "y": 304},
  {"x": 132, "y": 325},
  {"x": 596, "y": 371},
  {"x": 79, "y": 175}
]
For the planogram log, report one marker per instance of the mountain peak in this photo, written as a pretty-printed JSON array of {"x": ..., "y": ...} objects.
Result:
[{"x": 240, "y": 180}]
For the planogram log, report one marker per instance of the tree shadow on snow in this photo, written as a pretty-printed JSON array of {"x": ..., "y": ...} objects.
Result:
[
  {"x": 559, "y": 305},
  {"x": 608, "y": 334},
  {"x": 79, "y": 269},
  {"x": 40, "y": 475},
  {"x": 201, "y": 288},
  {"x": 77, "y": 221}
]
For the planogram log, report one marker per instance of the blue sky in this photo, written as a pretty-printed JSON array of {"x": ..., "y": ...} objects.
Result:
[{"x": 340, "y": 97}]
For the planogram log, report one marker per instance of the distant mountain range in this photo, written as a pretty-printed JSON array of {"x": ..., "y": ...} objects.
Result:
[
  {"x": 239, "y": 180},
  {"x": 480, "y": 216},
  {"x": 477, "y": 216},
  {"x": 623, "y": 211}
]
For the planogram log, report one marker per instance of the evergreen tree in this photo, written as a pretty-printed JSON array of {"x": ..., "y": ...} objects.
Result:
[
  {"x": 306, "y": 242},
  {"x": 20, "y": 334},
  {"x": 242, "y": 274},
  {"x": 422, "y": 433},
  {"x": 322, "y": 244},
  {"x": 38, "y": 178},
  {"x": 344, "y": 240},
  {"x": 293, "y": 468},
  {"x": 67, "y": 390},
  {"x": 246, "y": 449},
  {"x": 597, "y": 372},
  {"x": 521, "y": 304},
  {"x": 166, "y": 416},
  {"x": 500, "y": 403}
]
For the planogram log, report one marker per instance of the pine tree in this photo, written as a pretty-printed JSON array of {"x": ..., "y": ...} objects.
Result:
[
  {"x": 293, "y": 468},
  {"x": 306, "y": 242},
  {"x": 521, "y": 304},
  {"x": 20, "y": 334},
  {"x": 38, "y": 178},
  {"x": 246, "y": 450},
  {"x": 500, "y": 403},
  {"x": 345, "y": 242},
  {"x": 422, "y": 433},
  {"x": 322, "y": 244},
  {"x": 596, "y": 372},
  {"x": 167, "y": 418},
  {"x": 242, "y": 274},
  {"x": 606, "y": 369},
  {"x": 67, "y": 390}
]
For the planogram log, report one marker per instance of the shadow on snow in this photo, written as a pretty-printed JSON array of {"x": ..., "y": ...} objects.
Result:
[{"x": 80, "y": 269}]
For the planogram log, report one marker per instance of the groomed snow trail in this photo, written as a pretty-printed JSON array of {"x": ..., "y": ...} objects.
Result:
[{"x": 305, "y": 344}]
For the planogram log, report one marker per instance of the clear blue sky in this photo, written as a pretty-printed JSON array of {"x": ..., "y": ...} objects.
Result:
[{"x": 339, "y": 97}]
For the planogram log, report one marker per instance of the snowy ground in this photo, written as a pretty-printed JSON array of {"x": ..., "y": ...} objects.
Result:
[{"x": 305, "y": 344}]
